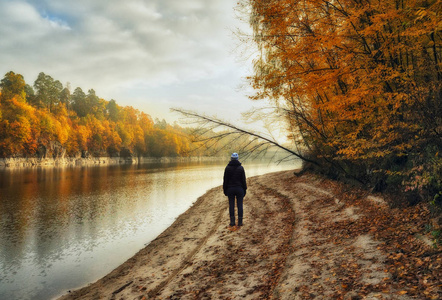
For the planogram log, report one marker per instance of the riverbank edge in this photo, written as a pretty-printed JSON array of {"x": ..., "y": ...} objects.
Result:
[
  {"x": 11, "y": 163},
  {"x": 377, "y": 243}
]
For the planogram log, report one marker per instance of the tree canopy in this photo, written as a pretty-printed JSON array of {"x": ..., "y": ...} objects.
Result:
[
  {"x": 31, "y": 118},
  {"x": 359, "y": 83}
]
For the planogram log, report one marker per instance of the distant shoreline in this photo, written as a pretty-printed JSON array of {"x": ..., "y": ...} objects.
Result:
[{"x": 10, "y": 163}]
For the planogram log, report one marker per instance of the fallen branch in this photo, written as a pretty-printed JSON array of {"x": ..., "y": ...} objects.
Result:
[{"x": 122, "y": 288}]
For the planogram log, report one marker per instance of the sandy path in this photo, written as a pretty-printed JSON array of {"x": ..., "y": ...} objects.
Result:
[
  {"x": 200, "y": 256},
  {"x": 297, "y": 242}
]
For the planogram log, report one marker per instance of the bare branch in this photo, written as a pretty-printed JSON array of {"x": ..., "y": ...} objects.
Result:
[{"x": 215, "y": 123}]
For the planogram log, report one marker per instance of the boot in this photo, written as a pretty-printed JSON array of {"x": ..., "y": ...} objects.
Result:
[
  {"x": 240, "y": 222},
  {"x": 232, "y": 221}
]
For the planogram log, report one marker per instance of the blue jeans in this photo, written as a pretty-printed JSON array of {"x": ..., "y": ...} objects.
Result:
[{"x": 237, "y": 192}]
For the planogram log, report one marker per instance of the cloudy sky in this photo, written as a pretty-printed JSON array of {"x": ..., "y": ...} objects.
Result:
[{"x": 150, "y": 54}]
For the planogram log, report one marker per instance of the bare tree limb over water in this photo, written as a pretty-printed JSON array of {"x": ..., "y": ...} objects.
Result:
[{"x": 255, "y": 144}]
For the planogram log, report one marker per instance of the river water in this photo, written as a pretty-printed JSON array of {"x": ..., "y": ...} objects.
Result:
[{"x": 62, "y": 228}]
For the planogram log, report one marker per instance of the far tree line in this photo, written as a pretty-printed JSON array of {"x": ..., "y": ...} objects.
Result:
[{"x": 32, "y": 118}]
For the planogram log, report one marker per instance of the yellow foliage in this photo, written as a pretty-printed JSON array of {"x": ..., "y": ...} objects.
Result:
[{"x": 354, "y": 77}]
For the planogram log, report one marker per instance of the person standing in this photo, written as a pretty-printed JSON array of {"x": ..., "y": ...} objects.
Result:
[{"x": 235, "y": 186}]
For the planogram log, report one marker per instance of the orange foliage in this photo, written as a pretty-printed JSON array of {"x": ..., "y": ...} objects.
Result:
[
  {"x": 17, "y": 128},
  {"x": 359, "y": 80},
  {"x": 105, "y": 130}
]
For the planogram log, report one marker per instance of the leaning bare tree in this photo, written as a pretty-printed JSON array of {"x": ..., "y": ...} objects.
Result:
[{"x": 213, "y": 133}]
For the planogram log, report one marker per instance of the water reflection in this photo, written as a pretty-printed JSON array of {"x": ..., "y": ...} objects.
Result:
[{"x": 61, "y": 228}]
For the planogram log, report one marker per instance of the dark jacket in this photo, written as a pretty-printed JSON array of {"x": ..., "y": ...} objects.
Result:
[{"x": 234, "y": 176}]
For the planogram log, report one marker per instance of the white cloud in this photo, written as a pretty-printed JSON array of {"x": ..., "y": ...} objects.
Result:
[{"x": 148, "y": 54}]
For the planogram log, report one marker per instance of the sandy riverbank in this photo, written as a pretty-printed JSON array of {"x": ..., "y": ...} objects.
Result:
[{"x": 303, "y": 238}]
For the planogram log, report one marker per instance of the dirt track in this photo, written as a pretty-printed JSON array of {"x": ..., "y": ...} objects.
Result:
[{"x": 301, "y": 239}]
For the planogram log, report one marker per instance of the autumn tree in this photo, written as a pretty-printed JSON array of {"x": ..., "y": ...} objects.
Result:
[
  {"x": 12, "y": 85},
  {"x": 358, "y": 82},
  {"x": 17, "y": 121},
  {"x": 18, "y": 128}
]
